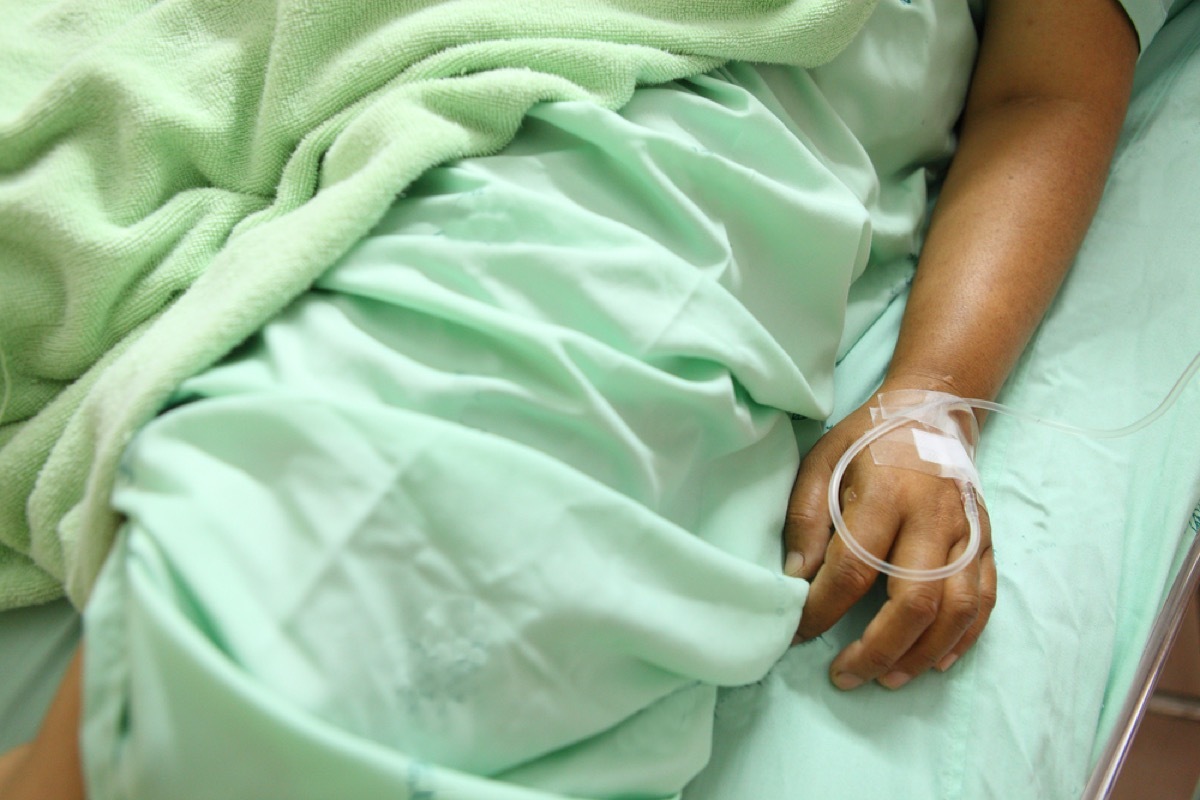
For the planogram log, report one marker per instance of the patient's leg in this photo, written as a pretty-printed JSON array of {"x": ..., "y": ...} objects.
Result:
[{"x": 48, "y": 767}]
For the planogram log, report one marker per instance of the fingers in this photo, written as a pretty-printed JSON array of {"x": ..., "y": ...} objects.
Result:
[
  {"x": 987, "y": 602},
  {"x": 807, "y": 526},
  {"x": 917, "y": 626},
  {"x": 924, "y": 624},
  {"x": 843, "y": 578},
  {"x": 908, "y": 518}
]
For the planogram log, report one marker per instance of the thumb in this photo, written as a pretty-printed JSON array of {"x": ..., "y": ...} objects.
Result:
[{"x": 807, "y": 525}]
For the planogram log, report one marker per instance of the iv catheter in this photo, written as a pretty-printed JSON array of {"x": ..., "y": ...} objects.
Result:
[{"x": 967, "y": 480}]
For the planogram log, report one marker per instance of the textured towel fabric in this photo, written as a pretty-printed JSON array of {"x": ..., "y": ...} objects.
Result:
[{"x": 175, "y": 172}]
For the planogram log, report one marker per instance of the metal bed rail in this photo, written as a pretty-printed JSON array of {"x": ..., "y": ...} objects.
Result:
[{"x": 1141, "y": 698}]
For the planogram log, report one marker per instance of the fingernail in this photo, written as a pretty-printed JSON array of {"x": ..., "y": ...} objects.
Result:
[
  {"x": 894, "y": 680},
  {"x": 794, "y": 564},
  {"x": 847, "y": 681},
  {"x": 947, "y": 662}
]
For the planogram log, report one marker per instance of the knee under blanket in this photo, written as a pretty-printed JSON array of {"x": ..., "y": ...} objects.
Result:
[
  {"x": 173, "y": 173},
  {"x": 490, "y": 510}
]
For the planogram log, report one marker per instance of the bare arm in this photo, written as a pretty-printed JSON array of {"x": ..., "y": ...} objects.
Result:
[{"x": 1044, "y": 111}]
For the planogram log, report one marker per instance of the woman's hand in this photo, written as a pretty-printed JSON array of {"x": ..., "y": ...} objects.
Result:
[{"x": 908, "y": 518}]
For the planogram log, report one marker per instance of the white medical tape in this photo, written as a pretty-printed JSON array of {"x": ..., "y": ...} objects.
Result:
[
  {"x": 940, "y": 442},
  {"x": 926, "y": 412},
  {"x": 931, "y": 432}
]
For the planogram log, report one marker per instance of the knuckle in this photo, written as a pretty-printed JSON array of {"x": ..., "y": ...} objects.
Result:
[
  {"x": 987, "y": 598},
  {"x": 876, "y": 661},
  {"x": 953, "y": 521},
  {"x": 963, "y": 609},
  {"x": 804, "y": 517},
  {"x": 920, "y": 605},
  {"x": 820, "y": 460},
  {"x": 853, "y": 576}
]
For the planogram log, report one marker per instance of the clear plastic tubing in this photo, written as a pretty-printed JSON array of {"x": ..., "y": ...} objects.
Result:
[{"x": 968, "y": 492}]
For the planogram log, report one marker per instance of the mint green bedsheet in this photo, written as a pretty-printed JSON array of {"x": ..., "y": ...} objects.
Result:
[{"x": 397, "y": 388}]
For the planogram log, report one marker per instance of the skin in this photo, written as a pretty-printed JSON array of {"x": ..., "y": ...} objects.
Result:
[
  {"x": 48, "y": 767},
  {"x": 1041, "y": 122},
  {"x": 1039, "y": 129}
]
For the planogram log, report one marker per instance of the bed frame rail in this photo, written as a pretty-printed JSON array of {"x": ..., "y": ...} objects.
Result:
[{"x": 1142, "y": 696}]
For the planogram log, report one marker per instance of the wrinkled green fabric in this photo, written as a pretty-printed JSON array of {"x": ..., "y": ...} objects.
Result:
[
  {"x": 520, "y": 452},
  {"x": 278, "y": 447},
  {"x": 175, "y": 172},
  {"x": 1088, "y": 534},
  {"x": 492, "y": 509}
]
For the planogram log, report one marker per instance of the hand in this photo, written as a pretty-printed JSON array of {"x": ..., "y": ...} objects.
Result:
[{"x": 909, "y": 518}]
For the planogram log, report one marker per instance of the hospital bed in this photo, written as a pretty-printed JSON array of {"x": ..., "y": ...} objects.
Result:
[
  {"x": 1142, "y": 697},
  {"x": 1098, "y": 544},
  {"x": 1164, "y": 70}
]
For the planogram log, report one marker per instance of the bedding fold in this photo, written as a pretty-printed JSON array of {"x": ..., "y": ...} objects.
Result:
[
  {"x": 175, "y": 172},
  {"x": 516, "y": 469}
]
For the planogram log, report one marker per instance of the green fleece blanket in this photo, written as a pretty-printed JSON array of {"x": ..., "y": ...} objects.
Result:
[{"x": 174, "y": 172}]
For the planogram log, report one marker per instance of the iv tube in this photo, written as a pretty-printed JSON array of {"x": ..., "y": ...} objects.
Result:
[{"x": 966, "y": 489}]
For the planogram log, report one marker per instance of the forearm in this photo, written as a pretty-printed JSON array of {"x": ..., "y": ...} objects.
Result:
[
  {"x": 1003, "y": 237},
  {"x": 1016, "y": 204},
  {"x": 1046, "y": 105}
]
